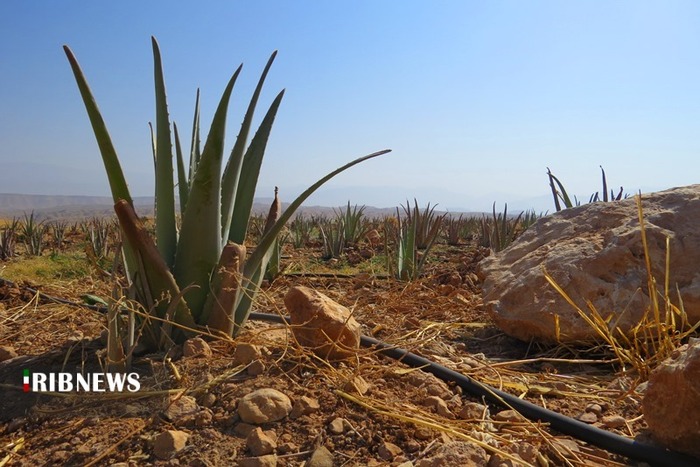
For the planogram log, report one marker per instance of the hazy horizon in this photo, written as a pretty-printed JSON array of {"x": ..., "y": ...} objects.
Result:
[{"x": 476, "y": 99}]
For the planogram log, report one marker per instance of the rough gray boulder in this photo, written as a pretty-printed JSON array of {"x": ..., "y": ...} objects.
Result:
[{"x": 595, "y": 253}]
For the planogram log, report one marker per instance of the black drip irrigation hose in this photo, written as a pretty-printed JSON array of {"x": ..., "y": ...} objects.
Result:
[
  {"x": 612, "y": 442},
  {"x": 654, "y": 455}
]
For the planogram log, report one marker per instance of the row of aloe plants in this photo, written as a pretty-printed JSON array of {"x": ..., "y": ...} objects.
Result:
[
  {"x": 200, "y": 277},
  {"x": 99, "y": 235}
]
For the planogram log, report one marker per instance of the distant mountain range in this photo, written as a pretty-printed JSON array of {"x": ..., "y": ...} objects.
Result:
[{"x": 47, "y": 207}]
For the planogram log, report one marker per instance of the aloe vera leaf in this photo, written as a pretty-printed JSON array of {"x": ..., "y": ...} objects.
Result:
[
  {"x": 153, "y": 144},
  {"x": 195, "y": 150},
  {"x": 117, "y": 182},
  {"x": 232, "y": 172},
  {"x": 200, "y": 245},
  {"x": 562, "y": 192},
  {"x": 410, "y": 249},
  {"x": 115, "y": 174},
  {"x": 244, "y": 299},
  {"x": 253, "y": 264},
  {"x": 555, "y": 194},
  {"x": 250, "y": 169},
  {"x": 166, "y": 234},
  {"x": 182, "y": 183},
  {"x": 160, "y": 281},
  {"x": 605, "y": 184}
]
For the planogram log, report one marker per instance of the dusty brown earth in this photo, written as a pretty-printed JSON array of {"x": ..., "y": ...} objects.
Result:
[{"x": 391, "y": 415}]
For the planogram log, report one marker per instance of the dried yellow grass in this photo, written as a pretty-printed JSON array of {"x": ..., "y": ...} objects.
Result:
[{"x": 662, "y": 329}]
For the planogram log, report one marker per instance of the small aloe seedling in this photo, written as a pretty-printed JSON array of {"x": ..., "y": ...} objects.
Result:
[{"x": 200, "y": 277}]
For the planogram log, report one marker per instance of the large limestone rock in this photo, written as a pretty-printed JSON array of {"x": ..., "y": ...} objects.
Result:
[
  {"x": 594, "y": 252},
  {"x": 671, "y": 402},
  {"x": 321, "y": 324}
]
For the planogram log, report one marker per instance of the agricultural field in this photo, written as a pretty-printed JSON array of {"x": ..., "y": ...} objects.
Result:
[
  {"x": 367, "y": 410},
  {"x": 192, "y": 328}
]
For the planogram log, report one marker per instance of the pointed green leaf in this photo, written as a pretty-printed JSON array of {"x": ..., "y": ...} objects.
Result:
[
  {"x": 232, "y": 173},
  {"x": 200, "y": 244},
  {"x": 195, "y": 151},
  {"x": 250, "y": 171},
  {"x": 166, "y": 235},
  {"x": 117, "y": 182},
  {"x": 605, "y": 185},
  {"x": 153, "y": 145},
  {"x": 253, "y": 265},
  {"x": 115, "y": 175},
  {"x": 182, "y": 183},
  {"x": 158, "y": 277}
]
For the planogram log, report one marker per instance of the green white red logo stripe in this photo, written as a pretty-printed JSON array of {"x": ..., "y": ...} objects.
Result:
[{"x": 26, "y": 380}]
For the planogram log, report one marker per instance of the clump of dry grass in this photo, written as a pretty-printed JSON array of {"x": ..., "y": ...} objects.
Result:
[{"x": 663, "y": 328}]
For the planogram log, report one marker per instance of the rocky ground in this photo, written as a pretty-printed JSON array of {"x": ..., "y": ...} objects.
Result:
[{"x": 265, "y": 400}]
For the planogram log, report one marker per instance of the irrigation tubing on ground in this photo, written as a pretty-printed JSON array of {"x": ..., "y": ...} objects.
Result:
[
  {"x": 604, "y": 439},
  {"x": 609, "y": 441}
]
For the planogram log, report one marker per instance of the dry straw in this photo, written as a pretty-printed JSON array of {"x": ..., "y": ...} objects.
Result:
[{"x": 663, "y": 327}]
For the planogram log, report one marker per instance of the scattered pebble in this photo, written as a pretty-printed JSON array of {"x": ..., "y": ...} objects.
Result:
[
  {"x": 256, "y": 368},
  {"x": 168, "y": 443},
  {"x": 455, "y": 453},
  {"x": 243, "y": 429},
  {"x": 304, "y": 406},
  {"x": 269, "y": 460},
  {"x": 208, "y": 400},
  {"x": 614, "y": 421},
  {"x": 264, "y": 406},
  {"x": 321, "y": 457},
  {"x": 287, "y": 448},
  {"x": 388, "y": 451},
  {"x": 260, "y": 443},
  {"x": 473, "y": 411},
  {"x": 588, "y": 417},
  {"x": 337, "y": 426},
  {"x": 509, "y": 415},
  {"x": 181, "y": 409},
  {"x": 196, "y": 347},
  {"x": 246, "y": 353},
  {"x": 438, "y": 405},
  {"x": 357, "y": 385}
]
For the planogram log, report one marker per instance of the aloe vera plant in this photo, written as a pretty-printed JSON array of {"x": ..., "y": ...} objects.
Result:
[
  {"x": 417, "y": 226},
  {"x": 561, "y": 196},
  {"x": 354, "y": 223},
  {"x": 500, "y": 231},
  {"x": 201, "y": 278}
]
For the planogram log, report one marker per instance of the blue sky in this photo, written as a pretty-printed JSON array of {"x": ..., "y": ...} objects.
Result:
[{"x": 476, "y": 99}]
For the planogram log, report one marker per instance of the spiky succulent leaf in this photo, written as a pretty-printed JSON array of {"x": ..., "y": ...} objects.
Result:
[
  {"x": 117, "y": 182},
  {"x": 200, "y": 245},
  {"x": 250, "y": 170},
  {"x": 195, "y": 150},
  {"x": 166, "y": 235},
  {"x": 115, "y": 174},
  {"x": 160, "y": 283},
  {"x": 253, "y": 266},
  {"x": 182, "y": 182},
  {"x": 232, "y": 172}
]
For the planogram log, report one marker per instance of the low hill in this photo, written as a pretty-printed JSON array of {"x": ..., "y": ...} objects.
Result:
[{"x": 73, "y": 208}]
